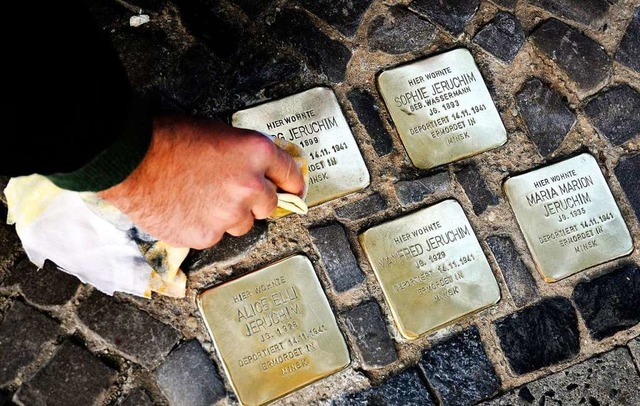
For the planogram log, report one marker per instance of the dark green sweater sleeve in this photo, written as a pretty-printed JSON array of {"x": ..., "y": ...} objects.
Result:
[{"x": 71, "y": 112}]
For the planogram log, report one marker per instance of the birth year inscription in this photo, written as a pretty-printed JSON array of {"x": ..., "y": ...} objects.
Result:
[
  {"x": 442, "y": 108},
  {"x": 568, "y": 217},
  {"x": 274, "y": 330},
  {"x": 314, "y": 121},
  {"x": 431, "y": 268}
]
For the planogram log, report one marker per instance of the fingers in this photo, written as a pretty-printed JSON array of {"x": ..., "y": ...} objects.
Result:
[
  {"x": 266, "y": 202},
  {"x": 284, "y": 172}
]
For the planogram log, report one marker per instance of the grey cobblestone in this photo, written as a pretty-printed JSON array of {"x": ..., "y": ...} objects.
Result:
[
  {"x": 325, "y": 54},
  {"x": 23, "y": 333},
  {"x": 582, "y": 58},
  {"x": 46, "y": 286},
  {"x": 546, "y": 114},
  {"x": 585, "y": 12},
  {"x": 607, "y": 379},
  {"x": 399, "y": 30},
  {"x": 366, "y": 324},
  {"x": 345, "y": 15},
  {"x": 74, "y": 376},
  {"x": 369, "y": 115},
  {"x": 337, "y": 257},
  {"x": 405, "y": 388},
  {"x": 188, "y": 377},
  {"x": 634, "y": 346},
  {"x": 613, "y": 113},
  {"x": 517, "y": 276},
  {"x": 134, "y": 332},
  {"x": 414, "y": 191},
  {"x": 364, "y": 207},
  {"x": 627, "y": 173},
  {"x": 610, "y": 303},
  {"x": 476, "y": 188},
  {"x": 629, "y": 49},
  {"x": 227, "y": 249},
  {"x": 540, "y": 335},
  {"x": 503, "y": 36},
  {"x": 459, "y": 371},
  {"x": 451, "y": 15}
]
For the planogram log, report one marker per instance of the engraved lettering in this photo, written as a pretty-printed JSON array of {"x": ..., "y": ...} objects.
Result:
[
  {"x": 452, "y": 83},
  {"x": 450, "y": 236},
  {"x": 565, "y": 204},
  {"x": 312, "y": 128}
]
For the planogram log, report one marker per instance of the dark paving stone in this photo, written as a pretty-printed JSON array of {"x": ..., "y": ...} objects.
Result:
[
  {"x": 503, "y": 36},
  {"x": 337, "y": 257},
  {"x": 399, "y": 30},
  {"x": 627, "y": 173},
  {"x": 452, "y": 15},
  {"x": 476, "y": 188},
  {"x": 614, "y": 113},
  {"x": 325, "y": 55},
  {"x": 74, "y": 376},
  {"x": 258, "y": 68},
  {"x": 133, "y": 331},
  {"x": 345, "y": 15},
  {"x": 520, "y": 282},
  {"x": 22, "y": 334},
  {"x": 187, "y": 377},
  {"x": 585, "y": 12},
  {"x": 204, "y": 20},
  {"x": 628, "y": 51},
  {"x": 193, "y": 73},
  {"x": 607, "y": 379},
  {"x": 5, "y": 399},
  {"x": 543, "y": 334},
  {"x": 405, "y": 388},
  {"x": 546, "y": 114},
  {"x": 369, "y": 115},
  {"x": 413, "y": 191},
  {"x": 10, "y": 244},
  {"x": 138, "y": 398},
  {"x": 610, "y": 303},
  {"x": 583, "y": 59},
  {"x": 46, "y": 286},
  {"x": 374, "y": 344},
  {"x": 459, "y": 371},
  {"x": 364, "y": 207},
  {"x": 228, "y": 248}
]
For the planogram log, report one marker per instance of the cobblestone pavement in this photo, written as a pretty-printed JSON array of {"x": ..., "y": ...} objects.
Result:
[{"x": 565, "y": 78}]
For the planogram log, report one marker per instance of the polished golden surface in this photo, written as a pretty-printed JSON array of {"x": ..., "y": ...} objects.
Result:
[
  {"x": 431, "y": 268},
  {"x": 568, "y": 216},
  {"x": 442, "y": 108},
  {"x": 274, "y": 330},
  {"x": 313, "y": 120}
]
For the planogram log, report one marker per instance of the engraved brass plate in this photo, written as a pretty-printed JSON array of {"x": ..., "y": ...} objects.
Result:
[
  {"x": 431, "y": 268},
  {"x": 313, "y": 120},
  {"x": 568, "y": 216},
  {"x": 442, "y": 108},
  {"x": 274, "y": 330}
]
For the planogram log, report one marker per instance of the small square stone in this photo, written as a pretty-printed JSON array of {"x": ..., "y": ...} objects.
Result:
[
  {"x": 274, "y": 330},
  {"x": 566, "y": 210},
  {"x": 540, "y": 335},
  {"x": 613, "y": 113},
  {"x": 442, "y": 108},
  {"x": 503, "y": 36},
  {"x": 611, "y": 302},
  {"x": 314, "y": 121},
  {"x": 459, "y": 369},
  {"x": 367, "y": 325},
  {"x": 431, "y": 268}
]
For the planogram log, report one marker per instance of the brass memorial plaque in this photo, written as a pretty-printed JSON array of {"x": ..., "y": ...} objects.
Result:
[
  {"x": 314, "y": 121},
  {"x": 431, "y": 268},
  {"x": 442, "y": 108},
  {"x": 568, "y": 216},
  {"x": 274, "y": 330}
]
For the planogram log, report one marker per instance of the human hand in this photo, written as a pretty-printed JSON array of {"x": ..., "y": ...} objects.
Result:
[{"x": 201, "y": 178}]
